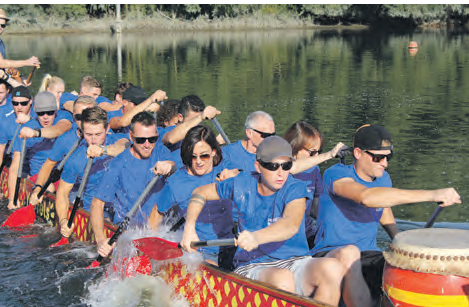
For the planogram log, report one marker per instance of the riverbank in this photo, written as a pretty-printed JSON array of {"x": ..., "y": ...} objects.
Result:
[{"x": 163, "y": 22}]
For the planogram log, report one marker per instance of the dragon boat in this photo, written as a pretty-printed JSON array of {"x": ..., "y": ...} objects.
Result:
[{"x": 208, "y": 286}]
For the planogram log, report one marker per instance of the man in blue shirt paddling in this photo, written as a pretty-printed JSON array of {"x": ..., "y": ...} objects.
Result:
[
  {"x": 355, "y": 200},
  {"x": 272, "y": 245}
]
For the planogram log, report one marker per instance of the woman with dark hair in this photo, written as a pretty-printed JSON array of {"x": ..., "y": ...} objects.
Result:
[
  {"x": 202, "y": 158},
  {"x": 307, "y": 141}
]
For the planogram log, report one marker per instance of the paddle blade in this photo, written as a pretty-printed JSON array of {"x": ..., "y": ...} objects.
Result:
[
  {"x": 133, "y": 266},
  {"x": 95, "y": 264},
  {"x": 62, "y": 241},
  {"x": 158, "y": 249},
  {"x": 21, "y": 217}
]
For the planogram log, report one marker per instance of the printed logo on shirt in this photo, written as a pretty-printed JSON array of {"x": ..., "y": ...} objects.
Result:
[
  {"x": 270, "y": 221},
  {"x": 11, "y": 112}
]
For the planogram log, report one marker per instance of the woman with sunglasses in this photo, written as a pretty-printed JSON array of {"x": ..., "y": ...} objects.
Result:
[
  {"x": 202, "y": 158},
  {"x": 307, "y": 141}
]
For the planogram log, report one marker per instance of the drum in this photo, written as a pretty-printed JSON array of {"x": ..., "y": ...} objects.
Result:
[{"x": 428, "y": 267}]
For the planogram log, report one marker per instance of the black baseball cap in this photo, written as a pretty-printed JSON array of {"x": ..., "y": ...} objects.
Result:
[
  {"x": 372, "y": 137},
  {"x": 21, "y": 91},
  {"x": 134, "y": 94}
]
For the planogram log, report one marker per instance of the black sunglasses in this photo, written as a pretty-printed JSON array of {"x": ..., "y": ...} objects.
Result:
[
  {"x": 313, "y": 152},
  {"x": 273, "y": 166},
  {"x": 77, "y": 117},
  {"x": 50, "y": 113},
  {"x": 142, "y": 140},
  {"x": 16, "y": 103},
  {"x": 263, "y": 134},
  {"x": 203, "y": 157},
  {"x": 378, "y": 158},
  {"x": 3, "y": 26}
]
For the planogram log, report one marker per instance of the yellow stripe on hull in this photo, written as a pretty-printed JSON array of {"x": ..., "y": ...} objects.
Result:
[{"x": 427, "y": 300}]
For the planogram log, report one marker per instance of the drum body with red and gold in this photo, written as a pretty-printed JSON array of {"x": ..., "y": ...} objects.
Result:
[{"x": 428, "y": 267}]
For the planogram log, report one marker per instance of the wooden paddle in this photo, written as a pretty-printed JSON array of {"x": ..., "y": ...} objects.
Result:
[
  {"x": 220, "y": 130},
  {"x": 160, "y": 249},
  {"x": 76, "y": 203},
  {"x": 21, "y": 216},
  {"x": 6, "y": 158},
  {"x": 33, "y": 69},
  {"x": 123, "y": 225}
]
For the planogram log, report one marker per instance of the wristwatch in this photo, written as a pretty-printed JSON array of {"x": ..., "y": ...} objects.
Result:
[
  {"x": 104, "y": 149},
  {"x": 38, "y": 132}
]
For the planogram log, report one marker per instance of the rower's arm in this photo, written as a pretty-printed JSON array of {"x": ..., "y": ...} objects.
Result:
[
  {"x": 198, "y": 199},
  {"x": 155, "y": 218},
  {"x": 44, "y": 173},
  {"x": 2, "y": 152},
  {"x": 286, "y": 227},
  {"x": 13, "y": 173},
  {"x": 180, "y": 131},
  {"x": 109, "y": 107},
  {"x": 118, "y": 147},
  {"x": 97, "y": 219},
  {"x": 125, "y": 120},
  {"x": 389, "y": 223},
  {"x": 63, "y": 202},
  {"x": 304, "y": 164},
  {"x": 56, "y": 130},
  {"x": 68, "y": 105},
  {"x": 4, "y": 63},
  {"x": 382, "y": 197}
]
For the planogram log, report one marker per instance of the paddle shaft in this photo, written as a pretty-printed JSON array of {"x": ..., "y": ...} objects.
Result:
[
  {"x": 81, "y": 190},
  {"x": 31, "y": 74},
  {"x": 220, "y": 130},
  {"x": 125, "y": 222},
  {"x": 6, "y": 157},
  {"x": 221, "y": 242},
  {"x": 435, "y": 214},
  {"x": 20, "y": 171},
  {"x": 55, "y": 175}
]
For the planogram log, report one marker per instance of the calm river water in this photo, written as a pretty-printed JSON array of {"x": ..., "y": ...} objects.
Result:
[{"x": 336, "y": 79}]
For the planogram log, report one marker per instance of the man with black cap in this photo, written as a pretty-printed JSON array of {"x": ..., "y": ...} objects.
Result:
[
  {"x": 272, "y": 245},
  {"x": 356, "y": 199},
  {"x": 134, "y": 101},
  {"x": 41, "y": 133},
  {"x": 4, "y": 63}
]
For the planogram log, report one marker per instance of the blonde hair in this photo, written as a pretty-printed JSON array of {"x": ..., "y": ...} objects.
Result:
[{"x": 48, "y": 81}]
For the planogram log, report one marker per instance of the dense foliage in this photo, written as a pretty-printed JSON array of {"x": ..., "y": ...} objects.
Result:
[{"x": 407, "y": 14}]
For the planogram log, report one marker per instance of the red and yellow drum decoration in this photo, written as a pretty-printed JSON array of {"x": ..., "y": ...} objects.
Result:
[{"x": 428, "y": 267}]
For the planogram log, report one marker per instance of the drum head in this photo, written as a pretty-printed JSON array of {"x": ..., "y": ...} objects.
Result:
[{"x": 431, "y": 250}]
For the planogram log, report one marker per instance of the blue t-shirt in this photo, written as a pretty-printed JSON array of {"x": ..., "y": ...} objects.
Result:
[
  {"x": 125, "y": 179},
  {"x": 37, "y": 149},
  {"x": 172, "y": 147},
  {"x": 70, "y": 97},
  {"x": 312, "y": 178},
  {"x": 256, "y": 212},
  {"x": 63, "y": 144},
  {"x": 7, "y": 109},
  {"x": 73, "y": 170},
  {"x": 8, "y": 127},
  {"x": 239, "y": 157},
  {"x": 341, "y": 221},
  {"x": 215, "y": 220},
  {"x": 2, "y": 49}
]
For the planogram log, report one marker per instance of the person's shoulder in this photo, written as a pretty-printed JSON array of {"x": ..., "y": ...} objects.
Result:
[
  {"x": 232, "y": 146},
  {"x": 32, "y": 123},
  {"x": 67, "y": 96},
  {"x": 116, "y": 113},
  {"x": 339, "y": 168},
  {"x": 101, "y": 99}
]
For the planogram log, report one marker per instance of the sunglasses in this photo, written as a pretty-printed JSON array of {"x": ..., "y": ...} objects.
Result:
[
  {"x": 203, "y": 157},
  {"x": 77, "y": 117},
  {"x": 378, "y": 158},
  {"x": 50, "y": 113},
  {"x": 3, "y": 26},
  {"x": 23, "y": 103},
  {"x": 273, "y": 166},
  {"x": 313, "y": 152},
  {"x": 142, "y": 140},
  {"x": 263, "y": 134}
]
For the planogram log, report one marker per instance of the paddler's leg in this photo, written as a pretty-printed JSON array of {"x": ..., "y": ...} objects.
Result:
[
  {"x": 355, "y": 289},
  {"x": 155, "y": 218},
  {"x": 319, "y": 278},
  {"x": 280, "y": 278}
]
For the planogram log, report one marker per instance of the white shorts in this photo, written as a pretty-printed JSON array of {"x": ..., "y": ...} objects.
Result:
[{"x": 296, "y": 265}]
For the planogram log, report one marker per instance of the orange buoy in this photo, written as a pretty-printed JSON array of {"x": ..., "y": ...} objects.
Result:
[
  {"x": 427, "y": 267},
  {"x": 413, "y": 45}
]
